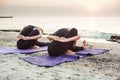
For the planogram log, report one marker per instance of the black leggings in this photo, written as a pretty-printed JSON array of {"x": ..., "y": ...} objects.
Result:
[
  {"x": 57, "y": 48},
  {"x": 26, "y": 44}
]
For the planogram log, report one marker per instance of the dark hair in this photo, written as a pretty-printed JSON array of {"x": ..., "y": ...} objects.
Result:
[
  {"x": 73, "y": 31},
  {"x": 38, "y": 28},
  {"x": 42, "y": 31}
]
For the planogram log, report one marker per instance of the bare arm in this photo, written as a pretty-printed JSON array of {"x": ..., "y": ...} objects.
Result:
[
  {"x": 62, "y": 39},
  {"x": 32, "y": 37},
  {"x": 74, "y": 38},
  {"x": 19, "y": 35},
  {"x": 51, "y": 37}
]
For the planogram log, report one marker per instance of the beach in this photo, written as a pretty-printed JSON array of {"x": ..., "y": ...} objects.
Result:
[{"x": 99, "y": 67}]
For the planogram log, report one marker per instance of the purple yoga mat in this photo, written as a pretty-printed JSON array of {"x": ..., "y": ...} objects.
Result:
[
  {"x": 9, "y": 50},
  {"x": 46, "y": 60},
  {"x": 92, "y": 51}
]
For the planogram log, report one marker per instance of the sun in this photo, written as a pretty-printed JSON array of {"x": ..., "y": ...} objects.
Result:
[{"x": 94, "y": 5}]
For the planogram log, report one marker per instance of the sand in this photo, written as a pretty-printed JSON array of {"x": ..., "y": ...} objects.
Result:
[{"x": 99, "y": 67}]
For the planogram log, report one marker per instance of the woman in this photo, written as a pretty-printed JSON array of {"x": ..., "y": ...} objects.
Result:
[
  {"x": 28, "y": 38},
  {"x": 63, "y": 42}
]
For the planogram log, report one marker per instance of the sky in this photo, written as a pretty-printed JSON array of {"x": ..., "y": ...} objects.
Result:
[{"x": 60, "y": 7}]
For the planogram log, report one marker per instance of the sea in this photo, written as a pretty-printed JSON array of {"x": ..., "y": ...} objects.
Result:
[{"x": 93, "y": 28}]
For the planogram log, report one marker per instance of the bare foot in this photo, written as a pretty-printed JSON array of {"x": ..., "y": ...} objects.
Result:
[
  {"x": 35, "y": 47},
  {"x": 69, "y": 52},
  {"x": 84, "y": 44}
]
